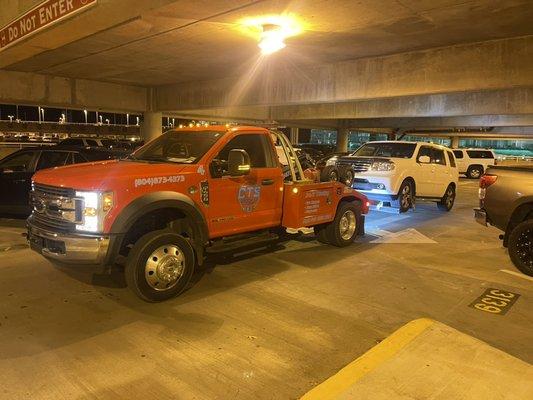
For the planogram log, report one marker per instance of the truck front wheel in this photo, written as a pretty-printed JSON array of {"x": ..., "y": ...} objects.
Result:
[
  {"x": 159, "y": 266},
  {"x": 343, "y": 229}
]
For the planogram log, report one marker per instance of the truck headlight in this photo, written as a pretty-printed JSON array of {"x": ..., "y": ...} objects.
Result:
[
  {"x": 382, "y": 166},
  {"x": 95, "y": 206}
]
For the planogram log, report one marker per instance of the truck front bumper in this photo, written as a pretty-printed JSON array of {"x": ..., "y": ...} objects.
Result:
[
  {"x": 68, "y": 248},
  {"x": 481, "y": 216}
]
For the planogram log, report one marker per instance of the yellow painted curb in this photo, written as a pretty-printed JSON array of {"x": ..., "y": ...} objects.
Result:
[{"x": 346, "y": 377}]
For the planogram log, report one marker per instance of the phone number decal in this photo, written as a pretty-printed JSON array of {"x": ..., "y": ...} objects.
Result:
[{"x": 159, "y": 180}]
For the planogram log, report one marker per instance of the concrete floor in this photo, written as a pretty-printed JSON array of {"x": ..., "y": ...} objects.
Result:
[{"x": 263, "y": 326}]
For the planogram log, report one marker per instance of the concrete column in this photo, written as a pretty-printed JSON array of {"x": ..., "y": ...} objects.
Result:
[
  {"x": 294, "y": 135},
  {"x": 152, "y": 125},
  {"x": 342, "y": 139},
  {"x": 455, "y": 142}
]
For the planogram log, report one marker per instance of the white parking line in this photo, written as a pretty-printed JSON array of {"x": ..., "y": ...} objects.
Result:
[{"x": 529, "y": 278}]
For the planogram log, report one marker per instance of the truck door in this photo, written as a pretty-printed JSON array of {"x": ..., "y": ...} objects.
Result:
[{"x": 250, "y": 202}]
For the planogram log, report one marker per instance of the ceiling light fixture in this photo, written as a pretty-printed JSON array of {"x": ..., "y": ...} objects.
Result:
[
  {"x": 271, "y": 31},
  {"x": 272, "y": 39}
]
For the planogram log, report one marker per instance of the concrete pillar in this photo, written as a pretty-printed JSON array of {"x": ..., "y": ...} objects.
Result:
[
  {"x": 455, "y": 142},
  {"x": 152, "y": 125},
  {"x": 342, "y": 139},
  {"x": 294, "y": 135}
]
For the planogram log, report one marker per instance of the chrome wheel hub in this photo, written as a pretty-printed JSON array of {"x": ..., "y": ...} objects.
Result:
[
  {"x": 406, "y": 197},
  {"x": 347, "y": 225},
  {"x": 450, "y": 198},
  {"x": 164, "y": 267}
]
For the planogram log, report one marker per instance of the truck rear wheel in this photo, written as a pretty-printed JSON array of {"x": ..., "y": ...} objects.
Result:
[
  {"x": 343, "y": 229},
  {"x": 521, "y": 247},
  {"x": 159, "y": 266}
]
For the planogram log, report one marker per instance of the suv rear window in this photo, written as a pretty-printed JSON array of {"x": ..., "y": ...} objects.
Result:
[{"x": 480, "y": 154}]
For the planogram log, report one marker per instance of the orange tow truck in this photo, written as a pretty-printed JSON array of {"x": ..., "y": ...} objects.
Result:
[{"x": 185, "y": 194}]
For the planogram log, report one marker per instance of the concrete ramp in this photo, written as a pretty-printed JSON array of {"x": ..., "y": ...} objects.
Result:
[{"x": 429, "y": 360}]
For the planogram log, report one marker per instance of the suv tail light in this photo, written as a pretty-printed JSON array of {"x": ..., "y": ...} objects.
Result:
[{"x": 484, "y": 182}]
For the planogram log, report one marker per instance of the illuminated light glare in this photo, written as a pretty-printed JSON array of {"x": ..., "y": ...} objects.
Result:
[
  {"x": 271, "y": 30},
  {"x": 272, "y": 39},
  {"x": 295, "y": 190}
]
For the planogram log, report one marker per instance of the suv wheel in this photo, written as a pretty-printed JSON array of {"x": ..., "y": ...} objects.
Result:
[
  {"x": 521, "y": 247},
  {"x": 447, "y": 201},
  {"x": 343, "y": 229},
  {"x": 474, "y": 172},
  {"x": 405, "y": 196},
  {"x": 159, "y": 266}
]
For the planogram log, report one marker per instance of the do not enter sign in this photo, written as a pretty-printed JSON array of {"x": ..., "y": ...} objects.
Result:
[{"x": 41, "y": 16}]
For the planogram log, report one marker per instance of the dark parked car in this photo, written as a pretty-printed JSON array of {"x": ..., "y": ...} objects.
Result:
[
  {"x": 506, "y": 202},
  {"x": 17, "y": 169}
]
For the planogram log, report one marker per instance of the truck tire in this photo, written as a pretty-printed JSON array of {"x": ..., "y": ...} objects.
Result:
[
  {"x": 329, "y": 173},
  {"x": 447, "y": 201},
  {"x": 159, "y": 266},
  {"x": 320, "y": 233},
  {"x": 406, "y": 196},
  {"x": 521, "y": 247},
  {"x": 342, "y": 231},
  {"x": 474, "y": 172}
]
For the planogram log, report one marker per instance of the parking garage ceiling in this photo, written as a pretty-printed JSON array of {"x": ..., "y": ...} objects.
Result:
[{"x": 187, "y": 41}]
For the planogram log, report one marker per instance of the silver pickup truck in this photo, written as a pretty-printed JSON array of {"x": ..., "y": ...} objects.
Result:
[{"x": 506, "y": 202}]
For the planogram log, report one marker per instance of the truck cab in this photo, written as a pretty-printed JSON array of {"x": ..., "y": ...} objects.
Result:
[{"x": 187, "y": 193}]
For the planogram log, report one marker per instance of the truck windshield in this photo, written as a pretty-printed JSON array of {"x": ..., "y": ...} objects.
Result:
[
  {"x": 393, "y": 150},
  {"x": 178, "y": 147}
]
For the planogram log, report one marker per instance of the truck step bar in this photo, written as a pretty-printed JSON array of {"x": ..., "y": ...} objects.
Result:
[{"x": 230, "y": 245}]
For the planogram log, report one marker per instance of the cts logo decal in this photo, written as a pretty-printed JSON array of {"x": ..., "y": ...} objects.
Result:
[{"x": 249, "y": 196}]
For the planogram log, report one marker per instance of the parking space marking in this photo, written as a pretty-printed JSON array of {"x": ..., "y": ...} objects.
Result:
[
  {"x": 409, "y": 235},
  {"x": 495, "y": 301},
  {"x": 334, "y": 386},
  {"x": 520, "y": 275}
]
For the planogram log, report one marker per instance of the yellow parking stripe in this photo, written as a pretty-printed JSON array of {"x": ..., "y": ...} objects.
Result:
[{"x": 346, "y": 377}]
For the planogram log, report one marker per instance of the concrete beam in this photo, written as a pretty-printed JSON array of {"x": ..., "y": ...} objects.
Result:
[
  {"x": 491, "y": 65},
  {"x": 494, "y": 102},
  {"x": 35, "y": 89}
]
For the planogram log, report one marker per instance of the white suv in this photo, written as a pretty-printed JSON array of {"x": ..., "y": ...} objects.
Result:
[
  {"x": 395, "y": 173},
  {"x": 473, "y": 162}
]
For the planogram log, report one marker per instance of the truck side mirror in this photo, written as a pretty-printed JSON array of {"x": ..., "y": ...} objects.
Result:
[
  {"x": 424, "y": 159},
  {"x": 238, "y": 162}
]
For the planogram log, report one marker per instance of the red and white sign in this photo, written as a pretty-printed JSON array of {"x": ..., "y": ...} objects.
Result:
[{"x": 41, "y": 16}]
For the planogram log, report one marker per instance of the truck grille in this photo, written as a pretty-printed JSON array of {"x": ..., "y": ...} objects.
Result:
[
  {"x": 53, "y": 191},
  {"x": 56, "y": 208},
  {"x": 358, "y": 165}
]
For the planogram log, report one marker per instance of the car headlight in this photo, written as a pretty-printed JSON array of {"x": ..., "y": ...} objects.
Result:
[
  {"x": 95, "y": 206},
  {"x": 382, "y": 166}
]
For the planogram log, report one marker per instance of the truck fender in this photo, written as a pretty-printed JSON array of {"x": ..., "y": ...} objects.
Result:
[
  {"x": 523, "y": 208},
  {"x": 159, "y": 200}
]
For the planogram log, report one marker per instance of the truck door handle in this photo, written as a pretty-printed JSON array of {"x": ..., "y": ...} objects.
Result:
[{"x": 266, "y": 182}]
